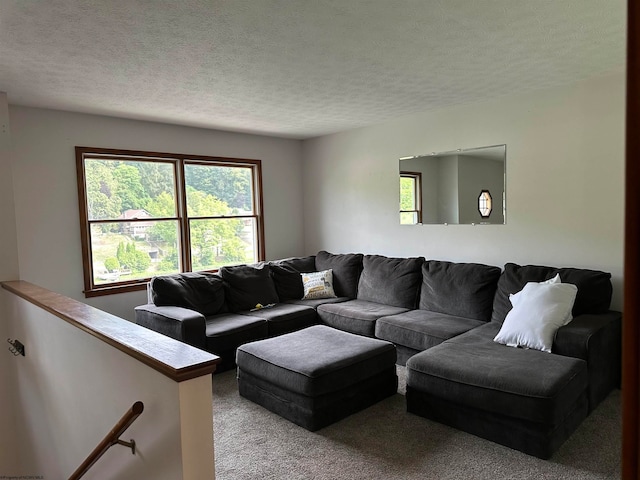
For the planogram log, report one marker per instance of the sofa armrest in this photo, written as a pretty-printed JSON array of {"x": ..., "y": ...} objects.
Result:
[
  {"x": 180, "y": 323},
  {"x": 596, "y": 338}
]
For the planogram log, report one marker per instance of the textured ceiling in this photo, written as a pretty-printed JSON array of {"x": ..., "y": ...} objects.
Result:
[{"x": 296, "y": 68}]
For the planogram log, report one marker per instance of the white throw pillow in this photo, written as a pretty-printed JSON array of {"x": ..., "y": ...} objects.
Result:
[
  {"x": 555, "y": 279},
  {"x": 514, "y": 298},
  {"x": 318, "y": 285},
  {"x": 539, "y": 309}
]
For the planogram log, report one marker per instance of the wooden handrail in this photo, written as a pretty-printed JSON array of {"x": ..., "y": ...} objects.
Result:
[
  {"x": 172, "y": 358},
  {"x": 112, "y": 438}
]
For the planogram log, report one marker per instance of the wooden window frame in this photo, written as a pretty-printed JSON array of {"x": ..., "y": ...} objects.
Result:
[
  {"x": 178, "y": 161},
  {"x": 417, "y": 176}
]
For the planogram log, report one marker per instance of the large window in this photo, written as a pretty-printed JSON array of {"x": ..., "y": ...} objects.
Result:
[
  {"x": 144, "y": 214},
  {"x": 410, "y": 198}
]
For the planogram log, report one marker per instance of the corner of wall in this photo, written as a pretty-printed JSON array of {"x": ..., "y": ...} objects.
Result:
[
  {"x": 8, "y": 271},
  {"x": 8, "y": 239}
]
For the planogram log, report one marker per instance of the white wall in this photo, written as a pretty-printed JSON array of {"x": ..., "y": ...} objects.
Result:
[
  {"x": 72, "y": 389},
  {"x": 8, "y": 244},
  {"x": 46, "y": 198},
  {"x": 8, "y": 271},
  {"x": 565, "y": 172}
]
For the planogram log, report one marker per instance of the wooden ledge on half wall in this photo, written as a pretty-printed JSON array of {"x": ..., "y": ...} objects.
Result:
[{"x": 172, "y": 358}]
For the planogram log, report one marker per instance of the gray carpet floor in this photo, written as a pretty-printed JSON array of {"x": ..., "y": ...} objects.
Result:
[{"x": 386, "y": 442}]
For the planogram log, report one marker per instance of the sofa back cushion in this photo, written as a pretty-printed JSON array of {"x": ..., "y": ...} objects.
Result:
[
  {"x": 460, "y": 289},
  {"x": 390, "y": 281},
  {"x": 346, "y": 271},
  {"x": 286, "y": 276},
  {"x": 202, "y": 292},
  {"x": 594, "y": 287},
  {"x": 248, "y": 285}
]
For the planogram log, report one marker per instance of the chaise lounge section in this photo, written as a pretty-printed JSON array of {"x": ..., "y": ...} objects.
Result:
[{"x": 526, "y": 399}]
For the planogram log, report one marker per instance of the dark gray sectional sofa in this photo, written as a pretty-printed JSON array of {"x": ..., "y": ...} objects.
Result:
[{"x": 441, "y": 316}]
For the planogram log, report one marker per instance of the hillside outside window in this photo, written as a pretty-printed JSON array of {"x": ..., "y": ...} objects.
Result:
[{"x": 144, "y": 214}]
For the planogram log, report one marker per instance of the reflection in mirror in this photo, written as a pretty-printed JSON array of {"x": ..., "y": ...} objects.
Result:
[
  {"x": 458, "y": 187},
  {"x": 410, "y": 198}
]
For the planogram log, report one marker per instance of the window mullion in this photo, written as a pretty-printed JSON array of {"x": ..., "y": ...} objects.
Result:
[{"x": 181, "y": 200}]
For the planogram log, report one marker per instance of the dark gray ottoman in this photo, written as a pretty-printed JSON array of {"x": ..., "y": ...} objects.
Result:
[
  {"x": 525, "y": 399},
  {"x": 316, "y": 376}
]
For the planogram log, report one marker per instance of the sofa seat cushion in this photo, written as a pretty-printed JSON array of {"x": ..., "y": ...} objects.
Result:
[
  {"x": 285, "y": 317},
  {"x": 460, "y": 289},
  {"x": 226, "y": 332},
  {"x": 390, "y": 281},
  {"x": 474, "y": 371},
  {"x": 316, "y": 302},
  {"x": 356, "y": 316},
  {"x": 317, "y": 360},
  {"x": 421, "y": 329}
]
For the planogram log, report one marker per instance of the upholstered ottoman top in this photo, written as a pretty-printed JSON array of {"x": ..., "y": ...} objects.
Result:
[{"x": 316, "y": 360}]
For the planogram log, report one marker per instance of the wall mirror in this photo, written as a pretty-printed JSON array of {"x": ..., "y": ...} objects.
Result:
[{"x": 465, "y": 186}]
